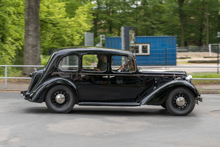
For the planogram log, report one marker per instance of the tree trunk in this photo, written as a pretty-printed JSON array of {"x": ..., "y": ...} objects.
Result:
[
  {"x": 181, "y": 16},
  {"x": 207, "y": 27},
  {"x": 32, "y": 35},
  {"x": 95, "y": 21},
  {"x": 110, "y": 21},
  {"x": 200, "y": 36}
]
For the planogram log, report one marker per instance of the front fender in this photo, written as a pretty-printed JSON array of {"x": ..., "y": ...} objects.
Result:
[
  {"x": 36, "y": 94},
  {"x": 158, "y": 96}
]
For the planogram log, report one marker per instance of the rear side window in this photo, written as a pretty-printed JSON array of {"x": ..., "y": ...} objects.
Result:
[
  {"x": 69, "y": 63},
  {"x": 94, "y": 62}
]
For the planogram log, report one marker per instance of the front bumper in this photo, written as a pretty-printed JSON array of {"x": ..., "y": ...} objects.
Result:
[
  {"x": 199, "y": 98},
  {"x": 25, "y": 95}
]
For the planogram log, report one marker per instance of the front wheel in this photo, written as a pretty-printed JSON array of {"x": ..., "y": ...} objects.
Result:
[
  {"x": 180, "y": 101},
  {"x": 60, "y": 99}
]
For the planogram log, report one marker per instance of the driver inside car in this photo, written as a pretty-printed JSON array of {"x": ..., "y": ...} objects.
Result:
[
  {"x": 126, "y": 67},
  {"x": 102, "y": 63}
]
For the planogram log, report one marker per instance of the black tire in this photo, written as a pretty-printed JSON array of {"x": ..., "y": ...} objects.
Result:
[
  {"x": 172, "y": 104},
  {"x": 67, "y": 104}
]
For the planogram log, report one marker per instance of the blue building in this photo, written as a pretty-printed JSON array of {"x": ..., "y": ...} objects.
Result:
[{"x": 150, "y": 50}]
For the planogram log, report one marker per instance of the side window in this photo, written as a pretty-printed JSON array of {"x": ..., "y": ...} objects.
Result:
[
  {"x": 134, "y": 49},
  {"x": 145, "y": 49},
  {"x": 94, "y": 62},
  {"x": 122, "y": 64},
  {"x": 69, "y": 63},
  {"x": 140, "y": 49}
]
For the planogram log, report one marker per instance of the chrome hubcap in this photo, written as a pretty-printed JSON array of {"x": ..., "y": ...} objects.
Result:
[
  {"x": 60, "y": 98},
  {"x": 180, "y": 101}
]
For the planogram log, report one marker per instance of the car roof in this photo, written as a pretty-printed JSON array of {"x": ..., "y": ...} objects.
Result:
[{"x": 84, "y": 50}]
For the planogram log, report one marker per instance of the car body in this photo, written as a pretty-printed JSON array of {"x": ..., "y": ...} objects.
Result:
[{"x": 108, "y": 77}]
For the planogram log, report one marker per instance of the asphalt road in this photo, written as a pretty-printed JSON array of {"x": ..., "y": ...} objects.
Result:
[{"x": 25, "y": 124}]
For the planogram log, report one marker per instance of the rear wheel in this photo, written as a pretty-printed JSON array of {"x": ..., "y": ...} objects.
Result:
[
  {"x": 180, "y": 101},
  {"x": 60, "y": 99}
]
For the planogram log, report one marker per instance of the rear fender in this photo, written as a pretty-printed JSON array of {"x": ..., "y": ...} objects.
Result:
[
  {"x": 38, "y": 94},
  {"x": 158, "y": 96}
]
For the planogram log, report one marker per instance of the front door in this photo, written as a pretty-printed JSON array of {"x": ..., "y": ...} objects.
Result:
[
  {"x": 93, "y": 79},
  {"x": 124, "y": 83}
]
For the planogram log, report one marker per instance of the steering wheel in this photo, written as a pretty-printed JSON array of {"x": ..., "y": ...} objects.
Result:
[{"x": 126, "y": 69}]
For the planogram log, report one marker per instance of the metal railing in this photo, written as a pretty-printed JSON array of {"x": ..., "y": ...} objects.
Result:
[
  {"x": 144, "y": 67},
  {"x": 6, "y": 72},
  {"x": 197, "y": 49}
]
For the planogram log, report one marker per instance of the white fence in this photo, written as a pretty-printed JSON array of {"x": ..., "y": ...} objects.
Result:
[{"x": 144, "y": 67}]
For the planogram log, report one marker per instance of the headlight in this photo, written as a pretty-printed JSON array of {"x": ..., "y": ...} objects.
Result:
[
  {"x": 189, "y": 78},
  {"x": 31, "y": 74}
]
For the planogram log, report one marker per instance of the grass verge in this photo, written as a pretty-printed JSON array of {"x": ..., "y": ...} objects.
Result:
[{"x": 205, "y": 75}]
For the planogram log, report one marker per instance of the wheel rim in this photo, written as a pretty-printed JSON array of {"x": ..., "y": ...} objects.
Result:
[
  {"x": 60, "y": 98},
  {"x": 181, "y": 101}
]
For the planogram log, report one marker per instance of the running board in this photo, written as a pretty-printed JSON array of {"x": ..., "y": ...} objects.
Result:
[{"x": 108, "y": 104}]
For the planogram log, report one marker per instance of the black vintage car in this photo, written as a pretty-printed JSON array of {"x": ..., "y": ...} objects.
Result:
[{"x": 108, "y": 77}]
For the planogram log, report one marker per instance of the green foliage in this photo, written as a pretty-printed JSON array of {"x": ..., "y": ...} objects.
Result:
[
  {"x": 158, "y": 17},
  {"x": 11, "y": 29},
  {"x": 89, "y": 59},
  {"x": 44, "y": 59},
  {"x": 14, "y": 72},
  {"x": 58, "y": 30},
  {"x": 219, "y": 8},
  {"x": 72, "y": 6}
]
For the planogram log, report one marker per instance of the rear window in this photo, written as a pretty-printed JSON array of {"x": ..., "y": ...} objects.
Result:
[{"x": 69, "y": 63}]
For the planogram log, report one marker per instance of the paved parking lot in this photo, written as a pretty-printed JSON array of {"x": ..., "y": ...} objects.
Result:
[{"x": 25, "y": 124}]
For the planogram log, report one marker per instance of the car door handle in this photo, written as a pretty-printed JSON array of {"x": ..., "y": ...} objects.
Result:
[{"x": 107, "y": 77}]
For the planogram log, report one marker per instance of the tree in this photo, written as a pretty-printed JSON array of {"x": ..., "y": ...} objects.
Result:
[
  {"x": 72, "y": 6},
  {"x": 58, "y": 30},
  {"x": 145, "y": 15},
  {"x": 182, "y": 17},
  {"x": 11, "y": 29},
  {"x": 201, "y": 21},
  {"x": 32, "y": 35}
]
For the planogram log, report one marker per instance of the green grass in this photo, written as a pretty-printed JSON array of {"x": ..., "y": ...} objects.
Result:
[
  {"x": 206, "y": 82},
  {"x": 205, "y": 75}
]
